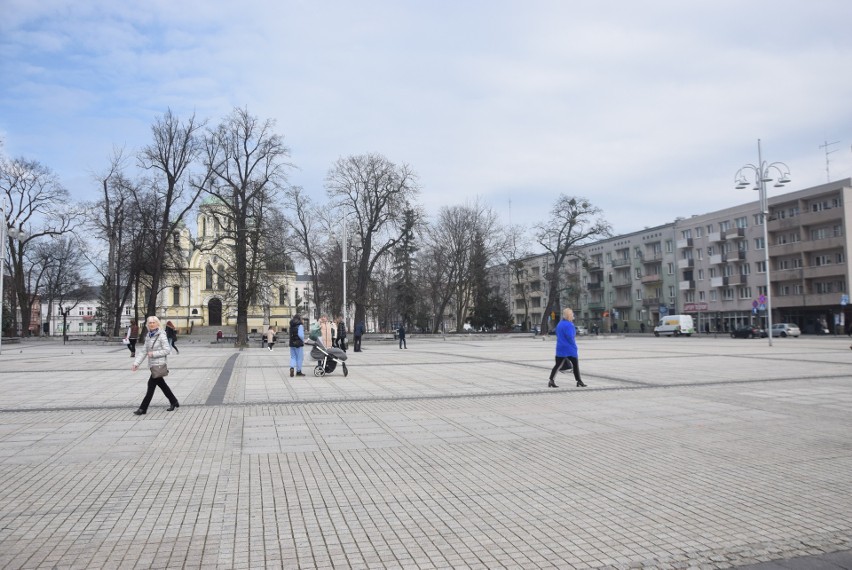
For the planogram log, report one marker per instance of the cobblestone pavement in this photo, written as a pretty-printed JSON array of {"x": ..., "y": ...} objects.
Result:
[{"x": 681, "y": 453}]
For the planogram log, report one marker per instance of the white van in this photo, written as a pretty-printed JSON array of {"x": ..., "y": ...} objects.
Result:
[{"x": 675, "y": 325}]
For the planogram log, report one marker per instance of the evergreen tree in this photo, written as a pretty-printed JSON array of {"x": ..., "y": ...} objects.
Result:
[{"x": 405, "y": 290}]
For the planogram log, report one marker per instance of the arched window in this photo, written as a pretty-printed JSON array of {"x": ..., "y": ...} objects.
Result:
[
  {"x": 221, "y": 277},
  {"x": 209, "y": 277}
]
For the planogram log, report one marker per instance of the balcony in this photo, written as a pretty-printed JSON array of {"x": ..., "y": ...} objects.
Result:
[
  {"x": 623, "y": 304},
  {"x": 621, "y": 262},
  {"x": 593, "y": 266},
  {"x": 652, "y": 278},
  {"x": 653, "y": 256},
  {"x": 807, "y": 246},
  {"x": 816, "y": 271},
  {"x": 620, "y": 283},
  {"x": 651, "y": 301},
  {"x": 594, "y": 285},
  {"x": 737, "y": 279},
  {"x": 686, "y": 285},
  {"x": 735, "y": 233},
  {"x": 684, "y": 243},
  {"x": 685, "y": 263},
  {"x": 716, "y": 236}
]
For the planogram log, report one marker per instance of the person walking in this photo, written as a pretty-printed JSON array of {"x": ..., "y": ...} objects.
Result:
[
  {"x": 270, "y": 338},
  {"x": 171, "y": 334},
  {"x": 297, "y": 345},
  {"x": 132, "y": 336},
  {"x": 566, "y": 349},
  {"x": 402, "y": 343},
  {"x": 359, "y": 332},
  {"x": 341, "y": 333},
  {"x": 156, "y": 350}
]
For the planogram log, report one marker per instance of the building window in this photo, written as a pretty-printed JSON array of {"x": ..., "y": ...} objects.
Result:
[
  {"x": 699, "y": 232},
  {"x": 669, "y": 247},
  {"x": 724, "y": 226},
  {"x": 729, "y": 294},
  {"x": 176, "y": 295},
  {"x": 759, "y": 243},
  {"x": 670, "y": 267},
  {"x": 741, "y": 222},
  {"x": 208, "y": 282},
  {"x": 221, "y": 275},
  {"x": 713, "y": 296}
]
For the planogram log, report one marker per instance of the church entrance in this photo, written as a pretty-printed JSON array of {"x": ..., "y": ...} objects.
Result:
[{"x": 214, "y": 311}]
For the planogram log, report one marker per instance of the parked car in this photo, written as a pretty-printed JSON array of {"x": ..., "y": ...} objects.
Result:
[
  {"x": 785, "y": 329},
  {"x": 748, "y": 332},
  {"x": 582, "y": 331}
]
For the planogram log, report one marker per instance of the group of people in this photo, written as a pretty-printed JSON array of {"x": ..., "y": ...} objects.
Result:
[
  {"x": 158, "y": 343},
  {"x": 330, "y": 333}
]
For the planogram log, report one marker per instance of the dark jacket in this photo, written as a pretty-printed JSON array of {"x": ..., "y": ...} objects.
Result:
[{"x": 295, "y": 340}]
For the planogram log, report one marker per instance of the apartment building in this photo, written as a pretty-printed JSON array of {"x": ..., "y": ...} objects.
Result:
[
  {"x": 711, "y": 266},
  {"x": 629, "y": 281}
]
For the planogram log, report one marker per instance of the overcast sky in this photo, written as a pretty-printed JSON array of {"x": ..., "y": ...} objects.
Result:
[{"x": 647, "y": 108}]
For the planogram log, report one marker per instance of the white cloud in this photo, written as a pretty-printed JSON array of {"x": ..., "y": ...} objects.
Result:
[{"x": 647, "y": 108}]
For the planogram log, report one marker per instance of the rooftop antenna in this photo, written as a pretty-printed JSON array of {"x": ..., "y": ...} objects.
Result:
[{"x": 825, "y": 146}]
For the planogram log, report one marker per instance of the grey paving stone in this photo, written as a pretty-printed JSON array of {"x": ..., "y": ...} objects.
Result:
[{"x": 703, "y": 453}]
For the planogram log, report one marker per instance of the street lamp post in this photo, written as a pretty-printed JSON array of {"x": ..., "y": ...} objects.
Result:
[
  {"x": 345, "y": 261},
  {"x": 763, "y": 173}
]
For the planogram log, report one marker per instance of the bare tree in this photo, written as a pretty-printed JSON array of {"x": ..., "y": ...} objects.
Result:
[
  {"x": 120, "y": 226},
  {"x": 176, "y": 146},
  {"x": 39, "y": 207},
  {"x": 246, "y": 169},
  {"x": 374, "y": 192},
  {"x": 305, "y": 238},
  {"x": 517, "y": 248},
  {"x": 62, "y": 264},
  {"x": 451, "y": 241},
  {"x": 573, "y": 222}
]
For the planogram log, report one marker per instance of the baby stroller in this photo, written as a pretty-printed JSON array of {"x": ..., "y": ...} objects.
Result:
[{"x": 327, "y": 359}]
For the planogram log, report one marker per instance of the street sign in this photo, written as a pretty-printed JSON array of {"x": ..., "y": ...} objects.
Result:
[
  {"x": 754, "y": 304},
  {"x": 664, "y": 310},
  {"x": 762, "y": 299},
  {"x": 844, "y": 300},
  {"x": 762, "y": 307}
]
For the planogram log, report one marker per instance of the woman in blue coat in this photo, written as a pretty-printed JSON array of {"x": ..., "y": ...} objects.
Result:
[{"x": 566, "y": 349}]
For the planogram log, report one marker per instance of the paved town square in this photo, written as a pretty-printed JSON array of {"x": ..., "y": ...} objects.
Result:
[{"x": 702, "y": 452}]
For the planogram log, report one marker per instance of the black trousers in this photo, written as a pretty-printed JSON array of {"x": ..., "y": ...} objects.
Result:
[
  {"x": 562, "y": 363},
  {"x": 357, "y": 343},
  {"x": 132, "y": 345},
  {"x": 152, "y": 385}
]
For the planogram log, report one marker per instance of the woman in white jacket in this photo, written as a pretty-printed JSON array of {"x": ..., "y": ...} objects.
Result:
[{"x": 157, "y": 350}]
